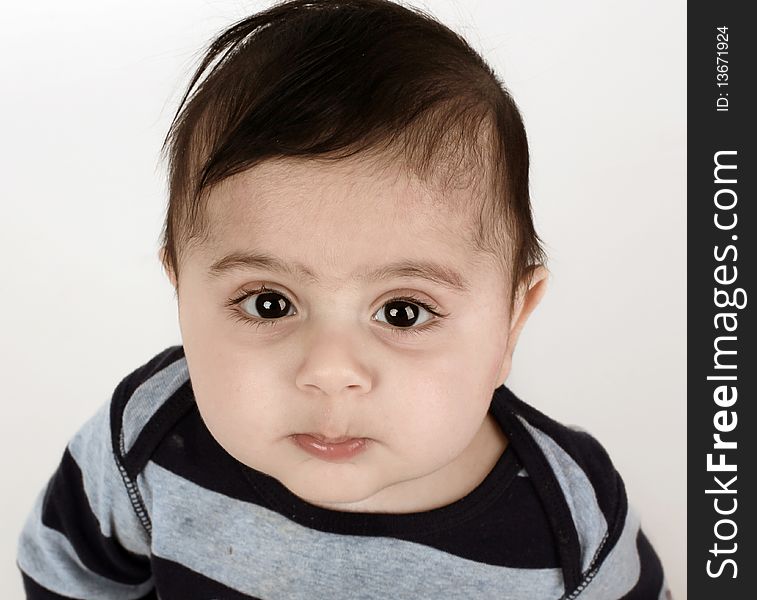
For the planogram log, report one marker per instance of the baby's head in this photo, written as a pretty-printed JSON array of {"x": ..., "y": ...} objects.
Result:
[{"x": 350, "y": 238}]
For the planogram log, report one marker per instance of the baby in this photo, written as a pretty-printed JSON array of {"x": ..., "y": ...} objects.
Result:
[{"x": 350, "y": 239}]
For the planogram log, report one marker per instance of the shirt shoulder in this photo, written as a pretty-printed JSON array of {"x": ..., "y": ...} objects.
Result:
[
  {"x": 582, "y": 492},
  {"x": 603, "y": 551},
  {"x": 573, "y": 452},
  {"x": 145, "y": 406}
]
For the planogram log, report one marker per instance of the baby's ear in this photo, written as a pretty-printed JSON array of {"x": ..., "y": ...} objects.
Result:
[
  {"x": 163, "y": 258},
  {"x": 529, "y": 295}
]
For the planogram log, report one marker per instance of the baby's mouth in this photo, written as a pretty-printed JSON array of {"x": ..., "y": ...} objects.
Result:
[{"x": 330, "y": 449}]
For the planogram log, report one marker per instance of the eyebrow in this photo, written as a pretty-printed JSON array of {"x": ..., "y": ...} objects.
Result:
[{"x": 427, "y": 270}]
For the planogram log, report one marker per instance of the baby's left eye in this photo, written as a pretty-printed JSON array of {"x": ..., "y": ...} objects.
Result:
[{"x": 402, "y": 313}]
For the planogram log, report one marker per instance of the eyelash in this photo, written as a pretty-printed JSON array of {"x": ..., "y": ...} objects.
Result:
[{"x": 400, "y": 331}]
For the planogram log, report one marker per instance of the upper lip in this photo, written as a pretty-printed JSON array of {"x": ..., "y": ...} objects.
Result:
[{"x": 328, "y": 440}]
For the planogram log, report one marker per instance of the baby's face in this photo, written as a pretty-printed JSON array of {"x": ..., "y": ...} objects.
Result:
[{"x": 378, "y": 322}]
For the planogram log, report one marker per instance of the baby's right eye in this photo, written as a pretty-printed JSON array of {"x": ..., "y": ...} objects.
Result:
[{"x": 265, "y": 304}]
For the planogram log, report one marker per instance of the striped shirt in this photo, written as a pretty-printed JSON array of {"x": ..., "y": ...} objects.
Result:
[{"x": 146, "y": 504}]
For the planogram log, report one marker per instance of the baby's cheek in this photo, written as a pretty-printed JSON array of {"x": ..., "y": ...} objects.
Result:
[
  {"x": 234, "y": 434},
  {"x": 438, "y": 425}
]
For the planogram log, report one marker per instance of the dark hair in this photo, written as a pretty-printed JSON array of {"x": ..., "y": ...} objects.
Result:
[{"x": 329, "y": 79}]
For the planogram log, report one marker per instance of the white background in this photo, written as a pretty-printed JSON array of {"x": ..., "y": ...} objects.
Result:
[{"x": 88, "y": 91}]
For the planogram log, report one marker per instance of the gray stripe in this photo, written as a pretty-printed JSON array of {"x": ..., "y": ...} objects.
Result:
[
  {"x": 92, "y": 450},
  {"x": 47, "y": 556},
  {"x": 588, "y": 518},
  {"x": 149, "y": 397},
  {"x": 266, "y": 555},
  {"x": 621, "y": 569}
]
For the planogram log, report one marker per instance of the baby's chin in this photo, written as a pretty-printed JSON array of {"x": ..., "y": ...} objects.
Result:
[{"x": 336, "y": 486}]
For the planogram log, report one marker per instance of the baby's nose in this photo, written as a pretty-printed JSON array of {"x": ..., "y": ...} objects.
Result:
[{"x": 333, "y": 363}]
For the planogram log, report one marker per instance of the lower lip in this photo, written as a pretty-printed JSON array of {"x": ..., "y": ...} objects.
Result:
[{"x": 331, "y": 452}]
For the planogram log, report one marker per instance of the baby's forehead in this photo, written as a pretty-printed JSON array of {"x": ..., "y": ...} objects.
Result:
[
  {"x": 277, "y": 193},
  {"x": 338, "y": 220}
]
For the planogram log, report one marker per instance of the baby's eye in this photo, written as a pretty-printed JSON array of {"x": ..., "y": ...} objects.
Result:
[
  {"x": 400, "y": 312},
  {"x": 266, "y": 305}
]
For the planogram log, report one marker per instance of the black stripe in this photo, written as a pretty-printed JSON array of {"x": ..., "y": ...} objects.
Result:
[
  {"x": 649, "y": 584},
  {"x": 66, "y": 509},
  {"x": 177, "y": 582},
  {"x": 550, "y": 492},
  {"x": 34, "y": 591},
  {"x": 499, "y": 537}
]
